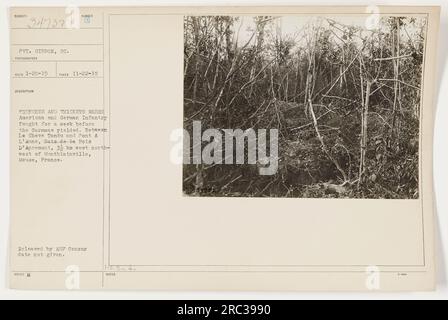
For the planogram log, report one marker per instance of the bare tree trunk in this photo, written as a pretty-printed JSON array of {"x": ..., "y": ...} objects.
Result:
[
  {"x": 322, "y": 143},
  {"x": 260, "y": 24},
  {"x": 196, "y": 71},
  {"x": 228, "y": 40},
  {"x": 309, "y": 84},
  {"x": 363, "y": 137},
  {"x": 272, "y": 83},
  {"x": 299, "y": 81},
  {"x": 396, "y": 63}
]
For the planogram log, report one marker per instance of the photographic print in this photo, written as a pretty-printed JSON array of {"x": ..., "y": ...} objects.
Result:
[
  {"x": 303, "y": 106},
  {"x": 223, "y": 148}
]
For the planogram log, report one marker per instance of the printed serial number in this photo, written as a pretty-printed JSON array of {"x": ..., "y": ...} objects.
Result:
[{"x": 245, "y": 309}]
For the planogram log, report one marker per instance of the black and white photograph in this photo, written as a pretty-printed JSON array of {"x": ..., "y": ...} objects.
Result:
[{"x": 303, "y": 106}]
